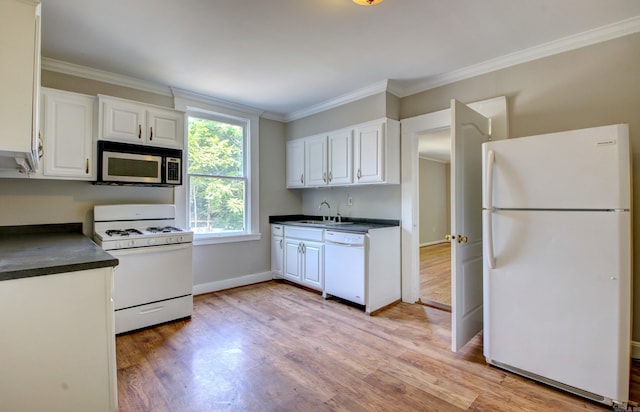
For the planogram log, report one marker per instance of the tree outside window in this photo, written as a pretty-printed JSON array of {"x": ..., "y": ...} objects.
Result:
[{"x": 217, "y": 176}]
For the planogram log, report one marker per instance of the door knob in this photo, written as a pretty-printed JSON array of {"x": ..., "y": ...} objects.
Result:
[
  {"x": 462, "y": 239},
  {"x": 449, "y": 237}
]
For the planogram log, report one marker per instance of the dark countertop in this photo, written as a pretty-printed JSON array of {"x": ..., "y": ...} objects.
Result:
[
  {"x": 37, "y": 250},
  {"x": 356, "y": 225}
]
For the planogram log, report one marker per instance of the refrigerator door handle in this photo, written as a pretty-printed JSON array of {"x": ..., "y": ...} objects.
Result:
[
  {"x": 488, "y": 241},
  {"x": 488, "y": 184},
  {"x": 488, "y": 230}
]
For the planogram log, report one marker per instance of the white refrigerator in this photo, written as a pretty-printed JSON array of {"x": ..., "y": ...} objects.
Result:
[{"x": 557, "y": 259}]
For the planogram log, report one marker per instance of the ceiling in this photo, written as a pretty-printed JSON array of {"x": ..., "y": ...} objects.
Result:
[{"x": 285, "y": 56}]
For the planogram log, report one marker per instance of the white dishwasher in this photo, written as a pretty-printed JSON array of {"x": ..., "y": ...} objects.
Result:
[{"x": 344, "y": 267}]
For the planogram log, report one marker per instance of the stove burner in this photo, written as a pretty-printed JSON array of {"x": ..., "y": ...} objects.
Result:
[
  {"x": 165, "y": 229},
  {"x": 123, "y": 232}
]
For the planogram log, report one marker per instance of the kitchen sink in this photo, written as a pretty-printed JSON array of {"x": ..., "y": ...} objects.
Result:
[{"x": 320, "y": 223}]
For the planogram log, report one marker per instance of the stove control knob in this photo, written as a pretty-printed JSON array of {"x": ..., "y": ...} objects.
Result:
[
  {"x": 118, "y": 245},
  {"x": 131, "y": 243},
  {"x": 170, "y": 239},
  {"x": 181, "y": 239},
  {"x": 152, "y": 241}
]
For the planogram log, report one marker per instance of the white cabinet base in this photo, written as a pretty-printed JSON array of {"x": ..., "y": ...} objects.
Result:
[{"x": 58, "y": 343}]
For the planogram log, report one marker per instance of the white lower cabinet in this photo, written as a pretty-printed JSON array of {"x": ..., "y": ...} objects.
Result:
[
  {"x": 304, "y": 256},
  {"x": 277, "y": 250},
  {"x": 58, "y": 343}
]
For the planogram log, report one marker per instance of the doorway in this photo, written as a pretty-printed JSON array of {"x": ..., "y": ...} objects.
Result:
[
  {"x": 434, "y": 215},
  {"x": 471, "y": 127}
]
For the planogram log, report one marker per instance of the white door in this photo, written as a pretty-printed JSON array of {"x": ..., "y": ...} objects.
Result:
[
  {"x": 469, "y": 129},
  {"x": 295, "y": 163},
  {"x": 165, "y": 127},
  {"x": 292, "y": 269},
  {"x": 340, "y": 156},
  {"x": 368, "y": 154},
  {"x": 313, "y": 267},
  {"x": 316, "y": 160}
]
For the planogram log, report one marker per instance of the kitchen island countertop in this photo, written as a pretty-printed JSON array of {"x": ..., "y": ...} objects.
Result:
[{"x": 37, "y": 250}]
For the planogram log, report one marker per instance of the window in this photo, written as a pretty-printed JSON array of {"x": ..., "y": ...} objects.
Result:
[
  {"x": 219, "y": 197},
  {"x": 217, "y": 176}
]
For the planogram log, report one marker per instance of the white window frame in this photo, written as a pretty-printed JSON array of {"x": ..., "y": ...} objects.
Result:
[{"x": 207, "y": 107}]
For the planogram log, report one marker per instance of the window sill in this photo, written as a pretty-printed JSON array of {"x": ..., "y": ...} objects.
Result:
[{"x": 200, "y": 240}]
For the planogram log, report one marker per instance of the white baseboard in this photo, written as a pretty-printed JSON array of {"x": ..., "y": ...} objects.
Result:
[
  {"x": 231, "y": 283},
  {"x": 635, "y": 350}
]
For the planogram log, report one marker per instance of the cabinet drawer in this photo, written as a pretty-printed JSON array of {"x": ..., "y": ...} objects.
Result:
[
  {"x": 304, "y": 233},
  {"x": 277, "y": 230},
  {"x": 153, "y": 313}
]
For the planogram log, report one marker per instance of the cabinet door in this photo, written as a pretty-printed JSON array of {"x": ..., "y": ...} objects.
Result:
[
  {"x": 292, "y": 260},
  {"x": 339, "y": 148},
  {"x": 67, "y": 120},
  {"x": 19, "y": 78},
  {"x": 122, "y": 120},
  {"x": 295, "y": 163},
  {"x": 59, "y": 343},
  {"x": 369, "y": 154},
  {"x": 277, "y": 255},
  {"x": 316, "y": 161},
  {"x": 313, "y": 265},
  {"x": 165, "y": 127}
]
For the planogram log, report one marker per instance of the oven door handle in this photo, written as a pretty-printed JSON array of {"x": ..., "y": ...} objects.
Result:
[{"x": 150, "y": 249}]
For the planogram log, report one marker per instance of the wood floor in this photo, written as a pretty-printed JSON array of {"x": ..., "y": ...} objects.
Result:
[
  {"x": 276, "y": 347},
  {"x": 435, "y": 274}
]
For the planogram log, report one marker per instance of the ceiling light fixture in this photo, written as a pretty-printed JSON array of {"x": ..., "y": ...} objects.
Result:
[{"x": 367, "y": 2}]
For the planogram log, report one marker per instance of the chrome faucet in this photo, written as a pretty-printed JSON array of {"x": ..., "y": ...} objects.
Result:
[{"x": 324, "y": 202}]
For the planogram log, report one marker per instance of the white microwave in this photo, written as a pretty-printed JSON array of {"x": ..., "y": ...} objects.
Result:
[{"x": 130, "y": 164}]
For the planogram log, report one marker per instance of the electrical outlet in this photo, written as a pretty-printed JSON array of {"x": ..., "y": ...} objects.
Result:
[{"x": 350, "y": 201}]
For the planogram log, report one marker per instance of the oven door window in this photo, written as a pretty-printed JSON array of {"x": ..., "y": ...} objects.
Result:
[{"x": 128, "y": 167}]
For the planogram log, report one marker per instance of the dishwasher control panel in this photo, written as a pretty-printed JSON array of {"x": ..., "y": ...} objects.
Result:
[{"x": 344, "y": 238}]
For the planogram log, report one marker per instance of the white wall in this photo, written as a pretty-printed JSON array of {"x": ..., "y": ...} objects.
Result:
[
  {"x": 592, "y": 86},
  {"x": 434, "y": 202}
]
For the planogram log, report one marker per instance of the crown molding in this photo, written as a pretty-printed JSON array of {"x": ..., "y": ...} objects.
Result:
[
  {"x": 186, "y": 97},
  {"x": 587, "y": 38},
  {"x": 104, "y": 76},
  {"x": 339, "y": 101}
]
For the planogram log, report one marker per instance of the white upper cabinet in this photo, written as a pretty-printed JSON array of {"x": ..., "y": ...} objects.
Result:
[
  {"x": 20, "y": 84},
  {"x": 368, "y": 153},
  {"x": 67, "y": 134},
  {"x": 139, "y": 123},
  {"x": 376, "y": 157},
  {"x": 340, "y": 159},
  {"x": 316, "y": 161},
  {"x": 295, "y": 163}
]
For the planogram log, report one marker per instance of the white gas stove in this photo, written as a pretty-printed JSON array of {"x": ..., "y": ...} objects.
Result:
[{"x": 153, "y": 282}]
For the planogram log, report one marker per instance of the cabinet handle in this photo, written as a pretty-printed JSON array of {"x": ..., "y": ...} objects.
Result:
[
  {"x": 302, "y": 178},
  {"x": 139, "y": 131},
  {"x": 280, "y": 243},
  {"x": 304, "y": 249},
  {"x": 330, "y": 176},
  {"x": 151, "y": 133},
  {"x": 359, "y": 174},
  {"x": 86, "y": 170},
  {"x": 324, "y": 177},
  {"x": 40, "y": 146}
]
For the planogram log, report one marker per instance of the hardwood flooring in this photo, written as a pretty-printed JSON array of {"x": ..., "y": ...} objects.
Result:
[
  {"x": 276, "y": 347},
  {"x": 435, "y": 275}
]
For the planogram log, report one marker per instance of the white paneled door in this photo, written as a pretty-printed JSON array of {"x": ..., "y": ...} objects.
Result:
[{"x": 469, "y": 129}]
